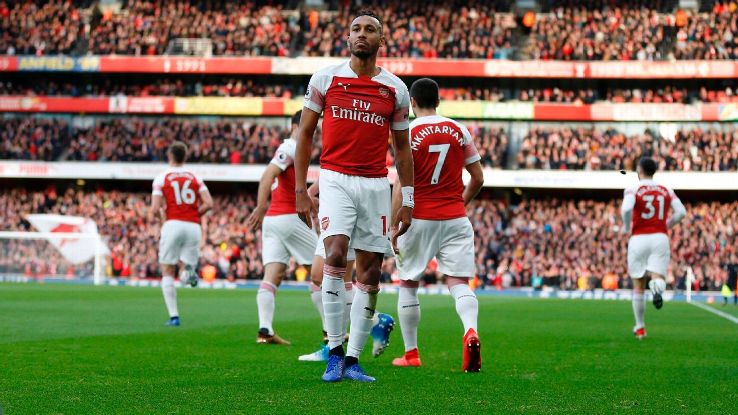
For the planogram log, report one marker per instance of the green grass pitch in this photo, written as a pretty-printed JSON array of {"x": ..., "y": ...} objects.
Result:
[{"x": 83, "y": 349}]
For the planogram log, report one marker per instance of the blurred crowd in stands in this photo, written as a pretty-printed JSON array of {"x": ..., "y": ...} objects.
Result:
[
  {"x": 577, "y": 148},
  {"x": 250, "y": 87},
  {"x": 253, "y": 141},
  {"x": 476, "y": 29},
  {"x": 567, "y": 244},
  {"x": 230, "y": 140}
]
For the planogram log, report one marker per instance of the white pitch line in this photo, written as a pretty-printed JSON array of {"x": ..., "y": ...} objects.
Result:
[{"x": 718, "y": 312}]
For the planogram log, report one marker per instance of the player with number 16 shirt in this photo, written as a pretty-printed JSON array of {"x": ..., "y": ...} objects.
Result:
[{"x": 184, "y": 199}]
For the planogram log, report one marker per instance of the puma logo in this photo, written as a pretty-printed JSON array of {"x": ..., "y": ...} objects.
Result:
[
  {"x": 332, "y": 293},
  {"x": 344, "y": 86},
  {"x": 370, "y": 310}
]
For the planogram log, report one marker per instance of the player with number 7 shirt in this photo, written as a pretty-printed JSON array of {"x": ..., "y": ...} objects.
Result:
[
  {"x": 184, "y": 198},
  {"x": 442, "y": 149}
]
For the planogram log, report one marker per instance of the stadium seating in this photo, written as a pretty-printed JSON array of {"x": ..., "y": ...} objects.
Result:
[
  {"x": 692, "y": 149},
  {"x": 231, "y": 141},
  {"x": 566, "y": 30},
  {"x": 549, "y": 240},
  {"x": 558, "y": 242},
  {"x": 218, "y": 87},
  {"x": 238, "y": 141}
]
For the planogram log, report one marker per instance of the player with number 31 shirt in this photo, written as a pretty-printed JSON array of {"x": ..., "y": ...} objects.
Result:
[
  {"x": 184, "y": 198},
  {"x": 647, "y": 207}
]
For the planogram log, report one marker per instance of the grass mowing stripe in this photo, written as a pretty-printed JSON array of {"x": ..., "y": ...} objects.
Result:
[{"x": 716, "y": 312}]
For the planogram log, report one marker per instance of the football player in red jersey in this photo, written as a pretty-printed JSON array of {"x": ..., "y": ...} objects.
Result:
[
  {"x": 361, "y": 103},
  {"x": 647, "y": 206},
  {"x": 283, "y": 234},
  {"x": 185, "y": 200},
  {"x": 442, "y": 149}
]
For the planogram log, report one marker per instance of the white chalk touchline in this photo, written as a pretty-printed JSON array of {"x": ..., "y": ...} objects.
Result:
[{"x": 718, "y": 312}]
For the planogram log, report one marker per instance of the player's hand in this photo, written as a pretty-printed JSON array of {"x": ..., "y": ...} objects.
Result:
[
  {"x": 256, "y": 217},
  {"x": 305, "y": 208},
  {"x": 400, "y": 225}
]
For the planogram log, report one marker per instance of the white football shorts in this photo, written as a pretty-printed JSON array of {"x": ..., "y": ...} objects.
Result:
[
  {"x": 451, "y": 242},
  {"x": 648, "y": 252},
  {"x": 358, "y": 207},
  {"x": 180, "y": 241},
  {"x": 285, "y": 236}
]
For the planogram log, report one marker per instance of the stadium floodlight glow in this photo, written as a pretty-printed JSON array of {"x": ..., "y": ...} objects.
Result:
[{"x": 97, "y": 275}]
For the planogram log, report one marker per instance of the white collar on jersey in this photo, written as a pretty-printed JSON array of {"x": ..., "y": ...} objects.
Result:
[
  {"x": 355, "y": 75},
  {"x": 430, "y": 118}
]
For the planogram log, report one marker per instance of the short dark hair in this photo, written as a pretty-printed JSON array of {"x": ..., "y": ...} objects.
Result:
[
  {"x": 178, "y": 152},
  {"x": 425, "y": 92},
  {"x": 648, "y": 166},
  {"x": 296, "y": 118},
  {"x": 370, "y": 13}
]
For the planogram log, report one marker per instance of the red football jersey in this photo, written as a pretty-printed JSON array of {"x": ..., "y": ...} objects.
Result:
[
  {"x": 651, "y": 209},
  {"x": 283, "y": 189},
  {"x": 358, "y": 113},
  {"x": 441, "y": 149},
  {"x": 181, "y": 191}
]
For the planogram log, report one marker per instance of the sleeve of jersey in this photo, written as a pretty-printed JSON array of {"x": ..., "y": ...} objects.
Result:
[
  {"x": 282, "y": 158},
  {"x": 471, "y": 154},
  {"x": 156, "y": 187},
  {"x": 401, "y": 115},
  {"x": 628, "y": 199},
  {"x": 201, "y": 184},
  {"x": 626, "y": 210},
  {"x": 679, "y": 210},
  {"x": 315, "y": 94}
]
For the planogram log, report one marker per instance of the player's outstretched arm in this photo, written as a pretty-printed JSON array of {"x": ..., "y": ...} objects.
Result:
[
  {"x": 475, "y": 182},
  {"x": 304, "y": 206},
  {"x": 262, "y": 199},
  {"x": 406, "y": 175},
  {"x": 156, "y": 205},
  {"x": 206, "y": 202},
  {"x": 679, "y": 212},
  {"x": 626, "y": 210}
]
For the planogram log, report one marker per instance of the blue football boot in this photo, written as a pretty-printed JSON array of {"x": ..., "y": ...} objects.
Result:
[
  {"x": 381, "y": 333},
  {"x": 334, "y": 369},
  {"x": 355, "y": 372}
]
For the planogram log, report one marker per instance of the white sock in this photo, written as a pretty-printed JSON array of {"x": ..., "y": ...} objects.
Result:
[
  {"x": 334, "y": 303},
  {"x": 362, "y": 318},
  {"x": 265, "y": 305},
  {"x": 170, "y": 295},
  {"x": 639, "y": 309},
  {"x": 349, "y": 286},
  {"x": 467, "y": 305},
  {"x": 317, "y": 298},
  {"x": 657, "y": 286},
  {"x": 408, "y": 309}
]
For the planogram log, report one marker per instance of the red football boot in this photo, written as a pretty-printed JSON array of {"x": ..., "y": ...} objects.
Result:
[
  {"x": 410, "y": 359},
  {"x": 472, "y": 361},
  {"x": 640, "y": 333}
]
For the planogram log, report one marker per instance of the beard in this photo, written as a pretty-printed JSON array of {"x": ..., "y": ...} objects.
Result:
[{"x": 363, "y": 54}]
